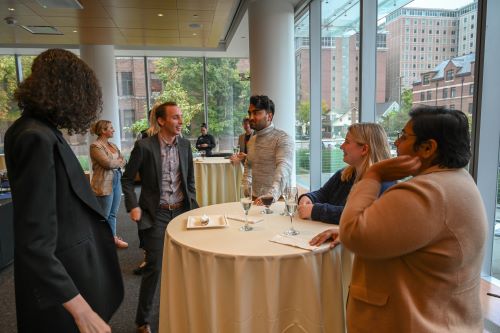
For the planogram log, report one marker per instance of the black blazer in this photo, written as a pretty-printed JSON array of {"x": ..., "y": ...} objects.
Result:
[
  {"x": 63, "y": 245},
  {"x": 146, "y": 159}
]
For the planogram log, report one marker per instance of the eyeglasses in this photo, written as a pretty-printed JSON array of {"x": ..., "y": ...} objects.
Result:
[{"x": 402, "y": 135}]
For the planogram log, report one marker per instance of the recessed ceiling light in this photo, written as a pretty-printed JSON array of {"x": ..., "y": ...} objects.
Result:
[
  {"x": 11, "y": 9},
  {"x": 195, "y": 25},
  {"x": 195, "y": 34},
  {"x": 160, "y": 14},
  {"x": 75, "y": 30},
  {"x": 42, "y": 30},
  {"x": 196, "y": 15}
]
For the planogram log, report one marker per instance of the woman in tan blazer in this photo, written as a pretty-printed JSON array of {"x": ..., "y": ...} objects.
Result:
[
  {"x": 419, "y": 247},
  {"x": 107, "y": 162}
]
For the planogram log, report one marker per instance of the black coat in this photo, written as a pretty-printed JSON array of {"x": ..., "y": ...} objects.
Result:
[
  {"x": 145, "y": 159},
  {"x": 63, "y": 245}
]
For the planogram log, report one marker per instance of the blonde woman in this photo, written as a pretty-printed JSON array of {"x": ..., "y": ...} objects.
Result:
[
  {"x": 107, "y": 162},
  {"x": 365, "y": 144}
]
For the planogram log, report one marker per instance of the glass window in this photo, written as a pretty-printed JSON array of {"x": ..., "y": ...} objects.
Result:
[
  {"x": 9, "y": 110},
  {"x": 182, "y": 81},
  {"x": 453, "y": 92},
  {"x": 132, "y": 98},
  {"x": 408, "y": 89},
  {"x": 303, "y": 104},
  {"x": 340, "y": 107},
  {"x": 228, "y": 92},
  {"x": 126, "y": 86},
  {"x": 449, "y": 75},
  {"x": 426, "y": 79}
]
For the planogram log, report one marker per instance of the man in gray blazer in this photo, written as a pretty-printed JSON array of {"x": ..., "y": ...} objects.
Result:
[{"x": 165, "y": 165}]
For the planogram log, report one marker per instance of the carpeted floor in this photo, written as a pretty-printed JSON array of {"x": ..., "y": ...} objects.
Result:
[{"x": 123, "y": 320}]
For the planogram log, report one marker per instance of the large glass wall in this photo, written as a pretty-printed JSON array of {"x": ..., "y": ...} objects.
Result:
[
  {"x": 228, "y": 90},
  {"x": 340, "y": 39},
  {"x": 183, "y": 80},
  {"x": 8, "y": 108},
  {"x": 303, "y": 103},
  {"x": 425, "y": 56}
]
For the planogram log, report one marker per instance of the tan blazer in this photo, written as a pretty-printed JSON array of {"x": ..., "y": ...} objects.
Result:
[
  {"x": 103, "y": 164},
  {"x": 418, "y": 254}
]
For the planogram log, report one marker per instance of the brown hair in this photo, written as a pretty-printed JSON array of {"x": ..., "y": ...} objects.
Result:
[
  {"x": 61, "y": 89},
  {"x": 375, "y": 137}
]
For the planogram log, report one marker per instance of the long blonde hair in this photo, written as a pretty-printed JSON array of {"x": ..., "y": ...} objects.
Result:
[
  {"x": 154, "y": 128},
  {"x": 375, "y": 137}
]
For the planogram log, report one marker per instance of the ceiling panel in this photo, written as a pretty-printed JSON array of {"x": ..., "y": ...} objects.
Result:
[{"x": 133, "y": 23}]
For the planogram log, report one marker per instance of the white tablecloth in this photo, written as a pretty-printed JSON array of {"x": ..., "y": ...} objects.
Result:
[
  {"x": 217, "y": 180},
  {"x": 225, "y": 280}
]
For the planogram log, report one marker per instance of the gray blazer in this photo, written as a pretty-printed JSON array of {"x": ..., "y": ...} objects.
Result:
[{"x": 145, "y": 159}]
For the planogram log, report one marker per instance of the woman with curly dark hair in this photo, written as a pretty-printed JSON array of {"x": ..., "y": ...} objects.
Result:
[{"x": 66, "y": 271}]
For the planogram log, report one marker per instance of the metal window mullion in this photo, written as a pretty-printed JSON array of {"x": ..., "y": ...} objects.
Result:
[{"x": 315, "y": 167}]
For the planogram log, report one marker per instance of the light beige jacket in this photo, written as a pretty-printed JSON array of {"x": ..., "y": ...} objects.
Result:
[
  {"x": 103, "y": 164},
  {"x": 418, "y": 254}
]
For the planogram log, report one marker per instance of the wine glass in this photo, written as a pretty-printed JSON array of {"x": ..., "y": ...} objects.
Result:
[
  {"x": 236, "y": 149},
  {"x": 267, "y": 197},
  {"x": 246, "y": 203},
  {"x": 291, "y": 207},
  {"x": 285, "y": 195},
  {"x": 203, "y": 154}
]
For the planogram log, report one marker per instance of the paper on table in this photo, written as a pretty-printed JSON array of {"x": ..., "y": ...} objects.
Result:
[
  {"x": 298, "y": 241},
  {"x": 214, "y": 221},
  {"x": 241, "y": 218}
]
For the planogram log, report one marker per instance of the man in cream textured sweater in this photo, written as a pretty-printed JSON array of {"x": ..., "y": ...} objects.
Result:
[{"x": 268, "y": 166}]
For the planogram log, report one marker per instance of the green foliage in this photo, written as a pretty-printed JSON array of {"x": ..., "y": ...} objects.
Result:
[
  {"x": 180, "y": 76},
  {"x": 84, "y": 162},
  {"x": 396, "y": 120},
  {"x": 332, "y": 160},
  {"x": 303, "y": 115},
  {"x": 302, "y": 160},
  {"x": 227, "y": 94},
  {"x": 138, "y": 126},
  {"x": 8, "y": 83}
]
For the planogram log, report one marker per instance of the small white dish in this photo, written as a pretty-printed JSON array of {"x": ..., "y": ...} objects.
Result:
[{"x": 214, "y": 221}]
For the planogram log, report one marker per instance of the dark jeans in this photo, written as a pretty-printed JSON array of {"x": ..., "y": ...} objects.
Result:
[{"x": 152, "y": 241}]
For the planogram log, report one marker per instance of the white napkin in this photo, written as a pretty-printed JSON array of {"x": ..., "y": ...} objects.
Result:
[
  {"x": 241, "y": 218},
  {"x": 298, "y": 241}
]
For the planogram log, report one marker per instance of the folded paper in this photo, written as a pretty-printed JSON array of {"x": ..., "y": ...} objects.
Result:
[{"x": 298, "y": 241}]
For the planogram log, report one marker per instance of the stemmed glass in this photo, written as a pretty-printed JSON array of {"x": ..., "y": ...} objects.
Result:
[
  {"x": 291, "y": 198},
  {"x": 236, "y": 149},
  {"x": 285, "y": 194},
  {"x": 246, "y": 203},
  {"x": 267, "y": 197}
]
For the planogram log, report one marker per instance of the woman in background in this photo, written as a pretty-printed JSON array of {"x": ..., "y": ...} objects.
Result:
[
  {"x": 66, "y": 271},
  {"x": 365, "y": 144},
  {"x": 107, "y": 162}
]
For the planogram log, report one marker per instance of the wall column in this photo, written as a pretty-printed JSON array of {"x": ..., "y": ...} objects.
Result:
[
  {"x": 101, "y": 58},
  {"x": 272, "y": 59},
  {"x": 272, "y": 69}
]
